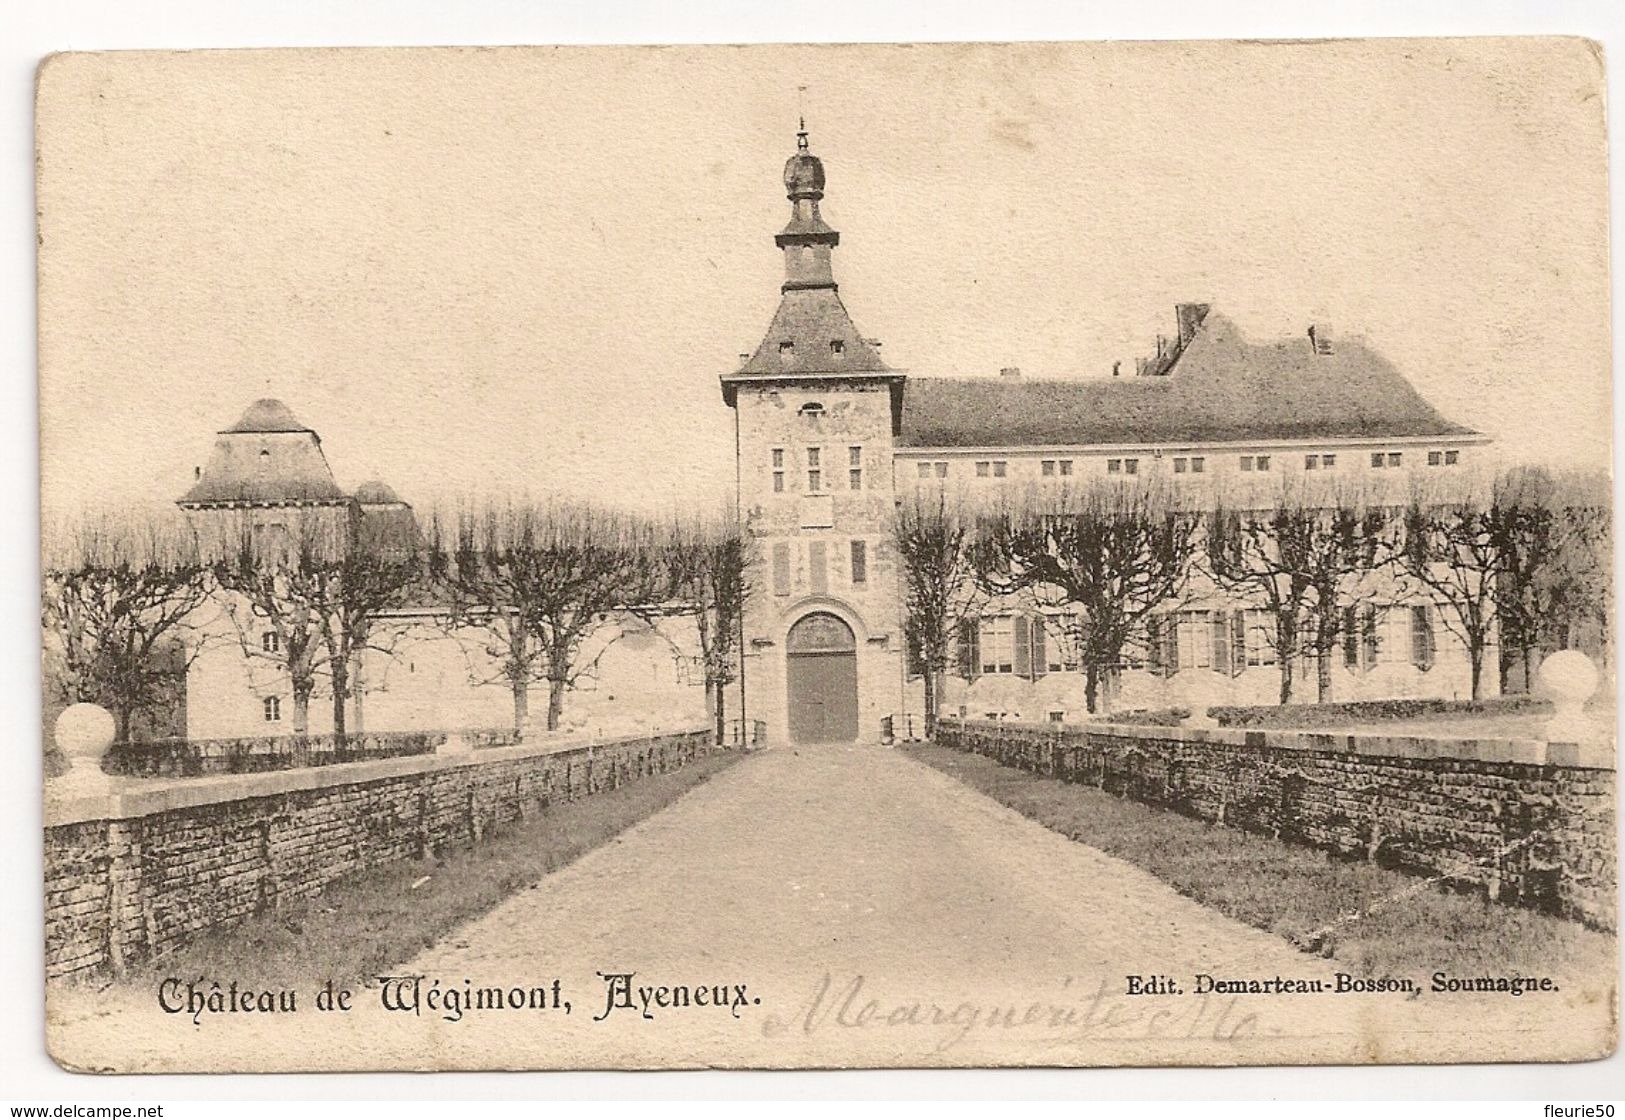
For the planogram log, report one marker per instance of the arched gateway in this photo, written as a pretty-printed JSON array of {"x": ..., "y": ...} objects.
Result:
[{"x": 821, "y": 669}]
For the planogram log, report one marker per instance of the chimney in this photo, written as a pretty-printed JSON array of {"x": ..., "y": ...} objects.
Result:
[
  {"x": 1117, "y": 369},
  {"x": 1320, "y": 337},
  {"x": 197, "y": 473},
  {"x": 1011, "y": 373},
  {"x": 1190, "y": 316}
]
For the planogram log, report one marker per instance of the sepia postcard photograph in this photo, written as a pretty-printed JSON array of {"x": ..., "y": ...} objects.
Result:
[{"x": 826, "y": 556}]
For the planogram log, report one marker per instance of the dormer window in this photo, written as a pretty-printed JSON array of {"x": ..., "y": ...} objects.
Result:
[
  {"x": 812, "y": 409},
  {"x": 836, "y": 348},
  {"x": 787, "y": 352}
]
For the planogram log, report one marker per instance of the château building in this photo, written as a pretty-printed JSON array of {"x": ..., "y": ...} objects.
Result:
[{"x": 830, "y": 438}]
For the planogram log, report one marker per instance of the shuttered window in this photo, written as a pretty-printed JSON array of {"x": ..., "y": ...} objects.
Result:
[
  {"x": 969, "y": 648},
  {"x": 1423, "y": 646},
  {"x": 781, "y": 569},
  {"x": 817, "y": 568},
  {"x": 860, "y": 563}
]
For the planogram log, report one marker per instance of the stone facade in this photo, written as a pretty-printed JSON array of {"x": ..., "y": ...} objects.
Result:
[
  {"x": 1523, "y": 821},
  {"x": 140, "y": 872}
]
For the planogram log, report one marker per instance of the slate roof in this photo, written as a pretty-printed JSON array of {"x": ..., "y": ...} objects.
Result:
[
  {"x": 268, "y": 415},
  {"x": 1222, "y": 389},
  {"x": 811, "y": 319},
  {"x": 267, "y": 457}
]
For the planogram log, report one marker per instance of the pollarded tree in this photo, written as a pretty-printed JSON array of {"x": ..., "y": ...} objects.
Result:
[
  {"x": 120, "y": 599},
  {"x": 279, "y": 572},
  {"x": 1457, "y": 543},
  {"x": 1111, "y": 553},
  {"x": 707, "y": 565},
  {"x": 539, "y": 582},
  {"x": 1305, "y": 559},
  {"x": 935, "y": 536}
]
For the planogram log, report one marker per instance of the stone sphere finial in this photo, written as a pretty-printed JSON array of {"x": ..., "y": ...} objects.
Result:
[
  {"x": 1569, "y": 677},
  {"x": 84, "y": 731}
]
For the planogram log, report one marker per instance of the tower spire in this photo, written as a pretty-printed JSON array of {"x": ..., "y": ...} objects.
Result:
[{"x": 807, "y": 240}]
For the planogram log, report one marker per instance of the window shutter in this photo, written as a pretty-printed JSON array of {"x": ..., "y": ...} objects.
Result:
[
  {"x": 817, "y": 568},
  {"x": 1421, "y": 638},
  {"x": 1153, "y": 644},
  {"x": 1040, "y": 649},
  {"x": 1370, "y": 641},
  {"x": 970, "y": 654},
  {"x": 781, "y": 569},
  {"x": 1220, "y": 640},
  {"x": 1022, "y": 640},
  {"x": 860, "y": 562},
  {"x": 1238, "y": 642},
  {"x": 915, "y": 664},
  {"x": 1351, "y": 638},
  {"x": 1170, "y": 637}
]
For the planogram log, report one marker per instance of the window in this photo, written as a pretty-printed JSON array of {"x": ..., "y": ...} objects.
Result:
[
  {"x": 812, "y": 409},
  {"x": 1059, "y": 651},
  {"x": 1066, "y": 467},
  {"x": 1451, "y": 458},
  {"x": 942, "y": 470},
  {"x": 1198, "y": 464},
  {"x": 836, "y": 347},
  {"x": 815, "y": 471},
  {"x": 1435, "y": 458},
  {"x": 1195, "y": 637},
  {"x": 1376, "y": 459},
  {"x": 1311, "y": 462},
  {"x": 787, "y": 352},
  {"x": 1246, "y": 462},
  {"x": 1047, "y": 468},
  {"x": 1263, "y": 462},
  {"x": 854, "y": 464},
  {"x": 1181, "y": 465},
  {"x": 273, "y": 709},
  {"x": 1327, "y": 462},
  {"x": 1131, "y": 466},
  {"x": 1057, "y": 717},
  {"x": 778, "y": 470},
  {"x": 860, "y": 562},
  {"x": 1260, "y": 638},
  {"x": 924, "y": 469},
  {"x": 1394, "y": 459},
  {"x": 998, "y": 469},
  {"x": 1194, "y": 464},
  {"x": 269, "y": 642},
  {"x": 982, "y": 469},
  {"x": 1114, "y": 466},
  {"x": 998, "y": 640}
]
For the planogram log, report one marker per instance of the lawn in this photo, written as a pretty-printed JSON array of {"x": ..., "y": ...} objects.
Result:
[
  {"x": 1294, "y": 891},
  {"x": 367, "y": 923}
]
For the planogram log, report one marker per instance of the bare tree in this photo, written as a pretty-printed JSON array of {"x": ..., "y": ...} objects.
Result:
[
  {"x": 281, "y": 572},
  {"x": 1456, "y": 545},
  {"x": 537, "y": 582},
  {"x": 935, "y": 537},
  {"x": 1303, "y": 558},
  {"x": 120, "y": 593},
  {"x": 1114, "y": 553},
  {"x": 707, "y": 564}
]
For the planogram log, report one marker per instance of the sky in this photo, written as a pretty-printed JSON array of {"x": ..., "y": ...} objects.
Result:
[{"x": 522, "y": 270}]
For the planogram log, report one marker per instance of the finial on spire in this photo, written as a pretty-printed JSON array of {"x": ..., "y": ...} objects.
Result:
[{"x": 801, "y": 136}]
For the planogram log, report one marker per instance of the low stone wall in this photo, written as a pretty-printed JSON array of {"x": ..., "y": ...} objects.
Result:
[
  {"x": 1528, "y": 822},
  {"x": 139, "y": 869}
]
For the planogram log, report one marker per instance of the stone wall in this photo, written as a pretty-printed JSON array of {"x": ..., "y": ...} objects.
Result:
[
  {"x": 140, "y": 869},
  {"x": 1524, "y": 821}
]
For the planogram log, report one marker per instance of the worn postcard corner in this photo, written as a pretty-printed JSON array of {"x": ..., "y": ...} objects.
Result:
[{"x": 954, "y": 555}]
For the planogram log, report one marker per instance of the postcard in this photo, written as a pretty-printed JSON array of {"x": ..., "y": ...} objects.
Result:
[{"x": 827, "y": 556}]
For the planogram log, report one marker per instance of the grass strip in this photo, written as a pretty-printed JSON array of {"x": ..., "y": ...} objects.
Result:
[{"x": 1291, "y": 890}]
